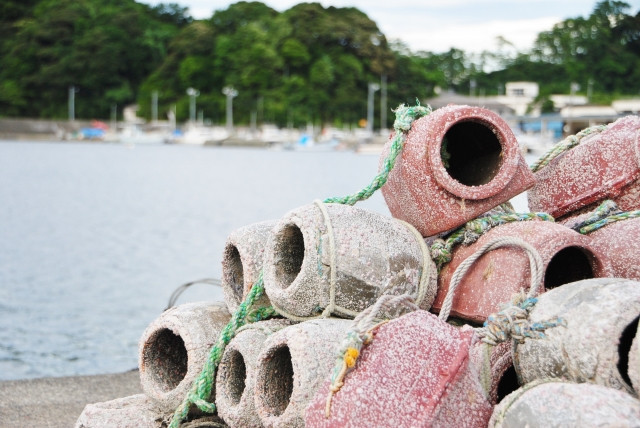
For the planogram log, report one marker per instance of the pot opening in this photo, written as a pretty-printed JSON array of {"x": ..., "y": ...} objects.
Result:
[
  {"x": 508, "y": 383},
  {"x": 471, "y": 153},
  {"x": 624, "y": 346},
  {"x": 165, "y": 359},
  {"x": 276, "y": 381},
  {"x": 237, "y": 375},
  {"x": 568, "y": 265},
  {"x": 289, "y": 254},
  {"x": 233, "y": 270}
]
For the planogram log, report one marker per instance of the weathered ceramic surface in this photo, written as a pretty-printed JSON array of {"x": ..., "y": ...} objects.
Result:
[
  {"x": 175, "y": 346},
  {"x": 550, "y": 404},
  {"x": 136, "y": 411},
  {"x": 242, "y": 262},
  {"x": 483, "y": 168},
  {"x": 236, "y": 376},
  {"x": 601, "y": 319},
  {"x": 374, "y": 255},
  {"x": 415, "y": 373},
  {"x": 499, "y": 274},
  {"x": 634, "y": 362},
  {"x": 619, "y": 243},
  {"x": 291, "y": 367},
  {"x": 602, "y": 166}
]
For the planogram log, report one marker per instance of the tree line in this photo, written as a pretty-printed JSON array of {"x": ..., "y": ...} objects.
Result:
[{"x": 306, "y": 64}]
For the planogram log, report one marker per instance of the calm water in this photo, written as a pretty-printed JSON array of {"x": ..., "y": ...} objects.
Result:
[{"x": 95, "y": 237}]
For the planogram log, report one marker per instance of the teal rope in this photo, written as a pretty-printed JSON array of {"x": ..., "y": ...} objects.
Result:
[
  {"x": 607, "y": 213},
  {"x": 201, "y": 390},
  {"x": 404, "y": 118},
  {"x": 565, "y": 145},
  {"x": 442, "y": 249},
  {"x": 512, "y": 322},
  {"x": 608, "y": 220}
]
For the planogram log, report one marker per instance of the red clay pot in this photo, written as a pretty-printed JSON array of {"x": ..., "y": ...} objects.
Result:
[
  {"x": 457, "y": 163},
  {"x": 417, "y": 372},
  {"x": 619, "y": 243},
  {"x": 603, "y": 166},
  {"x": 496, "y": 276}
]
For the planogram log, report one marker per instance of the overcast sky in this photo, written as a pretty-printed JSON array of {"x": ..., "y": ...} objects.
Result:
[{"x": 438, "y": 25}]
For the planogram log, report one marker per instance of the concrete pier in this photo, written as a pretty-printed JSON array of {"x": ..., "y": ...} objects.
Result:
[{"x": 58, "y": 402}]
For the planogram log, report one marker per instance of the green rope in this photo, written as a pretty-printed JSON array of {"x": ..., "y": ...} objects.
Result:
[
  {"x": 442, "y": 249},
  {"x": 201, "y": 388},
  {"x": 200, "y": 391},
  {"x": 608, "y": 220},
  {"x": 565, "y": 145},
  {"x": 405, "y": 116},
  {"x": 607, "y": 212}
]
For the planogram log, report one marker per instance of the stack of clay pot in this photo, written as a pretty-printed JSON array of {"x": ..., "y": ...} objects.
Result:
[{"x": 321, "y": 265}]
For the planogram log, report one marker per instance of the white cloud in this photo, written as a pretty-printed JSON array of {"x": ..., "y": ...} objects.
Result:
[{"x": 474, "y": 37}]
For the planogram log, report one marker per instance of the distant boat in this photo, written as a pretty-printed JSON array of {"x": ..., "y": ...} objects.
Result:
[
  {"x": 199, "y": 135},
  {"x": 134, "y": 135}
]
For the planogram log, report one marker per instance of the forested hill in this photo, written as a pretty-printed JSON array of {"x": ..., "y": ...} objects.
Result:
[{"x": 308, "y": 63}]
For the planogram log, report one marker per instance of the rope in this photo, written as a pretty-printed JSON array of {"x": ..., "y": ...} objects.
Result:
[
  {"x": 606, "y": 213},
  {"x": 361, "y": 334},
  {"x": 423, "y": 292},
  {"x": 513, "y": 319},
  {"x": 564, "y": 146},
  {"x": 442, "y": 250},
  {"x": 405, "y": 115},
  {"x": 178, "y": 291},
  {"x": 535, "y": 263},
  {"x": 202, "y": 387}
]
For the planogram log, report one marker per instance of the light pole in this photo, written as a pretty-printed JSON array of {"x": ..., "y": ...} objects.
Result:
[
  {"x": 193, "y": 93},
  {"x": 154, "y": 107},
  {"x": 231, "y": 93},
  {"x": 373, "y": 87},
  {"x": 383, "y": 102},
  {"x": 72, "y": 103}
]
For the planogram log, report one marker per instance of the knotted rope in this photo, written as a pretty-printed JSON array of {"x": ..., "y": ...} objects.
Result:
[
  {"x": 512, "y": 321},
  {"x": 201, "y": 390},
  {"x": 442, "y": 249},
  {"x": 405, "y": 116},
  {"x": 607, "y": 212},
  {"x": 361, "y": 334},
  {"x": 564, "y": 146}
]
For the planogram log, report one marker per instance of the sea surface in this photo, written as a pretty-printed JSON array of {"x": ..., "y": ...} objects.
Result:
[{"x": 95, "y": 237}]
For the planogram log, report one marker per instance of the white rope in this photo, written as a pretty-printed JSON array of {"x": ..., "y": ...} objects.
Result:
[
  {"x": 426, "y": 290},
  {"x": 331, "y": 307},
  {"x": 535, "y": 265}
]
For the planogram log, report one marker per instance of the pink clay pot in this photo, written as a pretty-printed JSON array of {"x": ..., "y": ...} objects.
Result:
[
  {"x": 417, "y": 372},
  {"x": 485, "y": 168},
  {"x": 603, "y": 166},
  {"x": 499, "y": 274}
]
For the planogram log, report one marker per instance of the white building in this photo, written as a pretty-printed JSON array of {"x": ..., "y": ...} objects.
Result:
[{"x": 519, "y": 96}]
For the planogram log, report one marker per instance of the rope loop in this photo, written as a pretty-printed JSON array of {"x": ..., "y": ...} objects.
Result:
[
  {"x": 512, "y": 321},
  {"x": 535, "y": 265}
]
